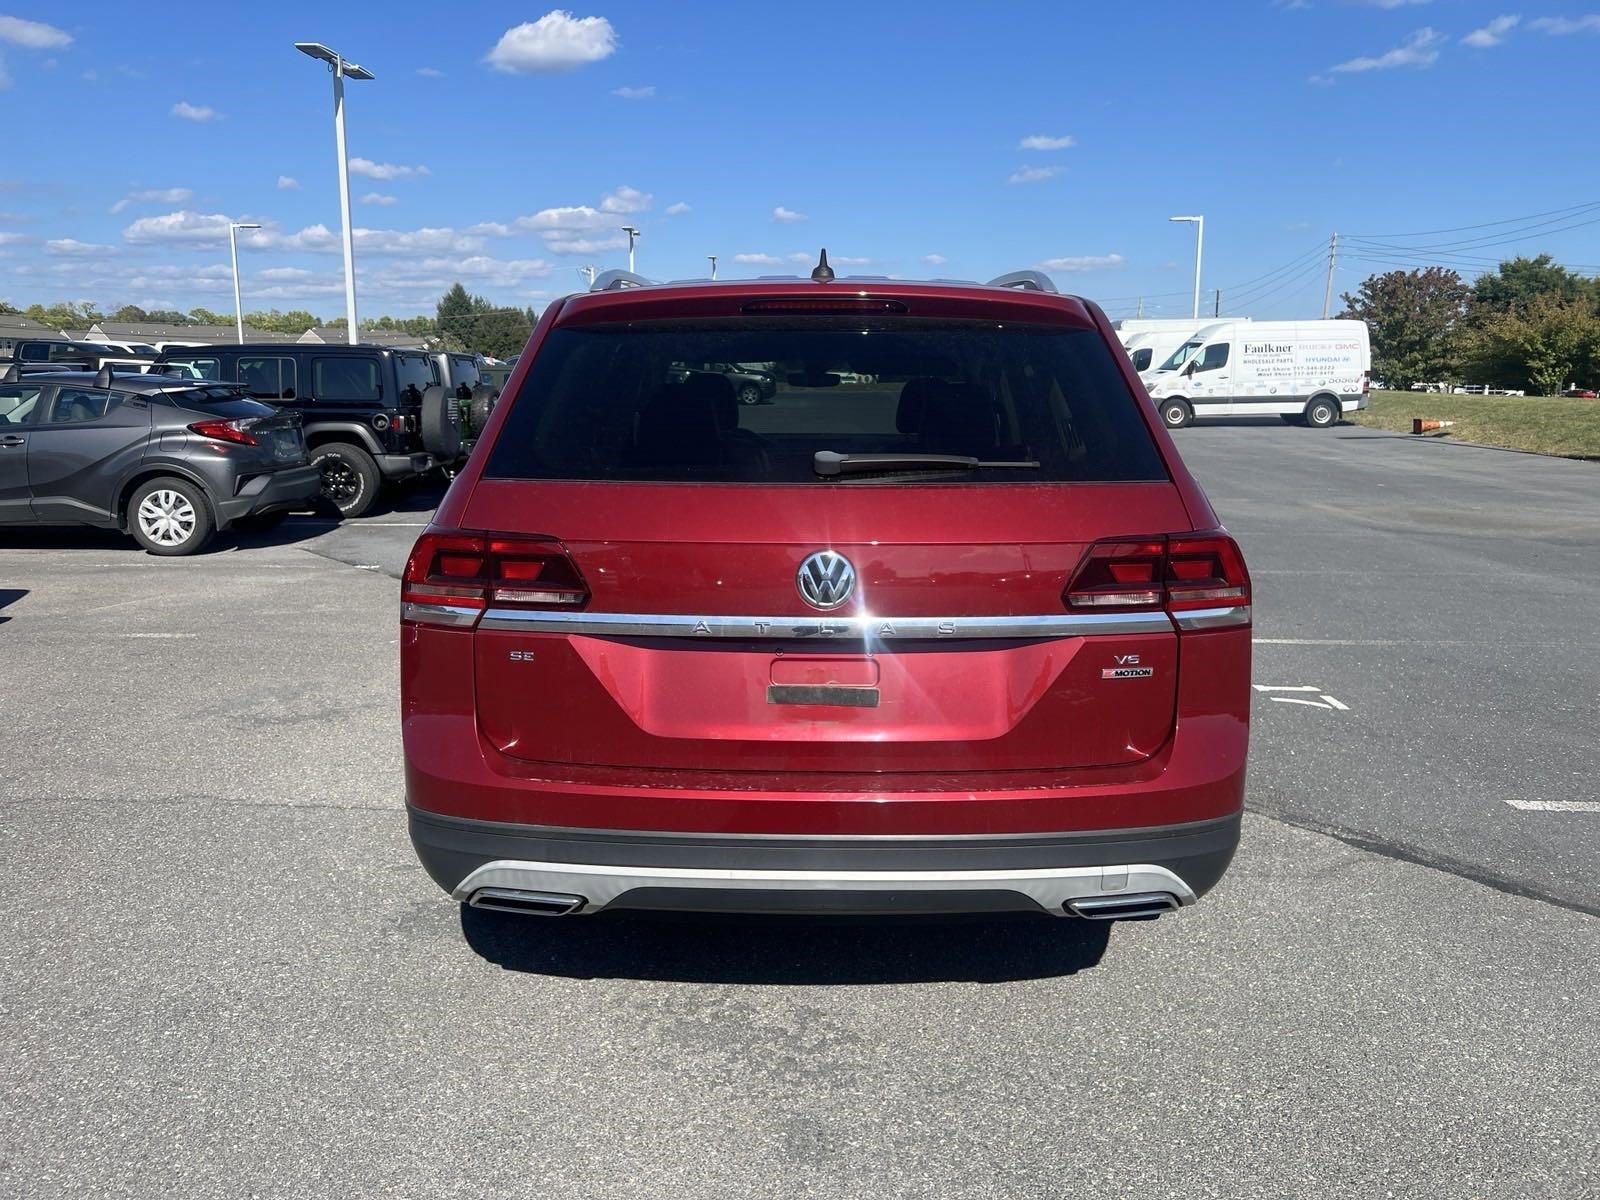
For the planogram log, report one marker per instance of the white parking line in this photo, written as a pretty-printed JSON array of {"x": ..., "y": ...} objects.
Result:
[{"x": 1583, "y": 806}]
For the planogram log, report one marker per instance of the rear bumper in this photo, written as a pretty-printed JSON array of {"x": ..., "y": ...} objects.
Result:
[
  {"x": 271, "y": 492},
  {"x": 764, "y": 873},
  {"x": 404, "y": 466}
]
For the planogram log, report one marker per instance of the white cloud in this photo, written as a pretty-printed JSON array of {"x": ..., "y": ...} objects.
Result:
[
  {"x": 284, "y": 273},
  {"x": 800, "y": 256},
  {"x": 787, "y": 215},
  {"x": 1083, "y": 262},
  {"x": 844, "y": 260},
  {"x": 935, "y": 260},
  {"x": 1418, "y": 50},
  {"x": 430, "y": 72},
  {"x": 288, "y": 183},
  {"x": 1040, "y": 141},
  {"x": 1389, "y": 3},
  {"x": 759, "y": 260},
  {"x": 385, "y": 171},
  {"x": 1564, "y": 26},
  {"x": 1494, "y": 32},
  {"x": 576, "y": 228},
  {"x": 176, "y": 195},
  {"x": 1033, "y": 174},
  {"x": 566, "y": 244},
  {"x": 635, "y": 93},
  {"x": 379, "y": 199},
  {"x": 626, "y": 200},
  {"x": 491, "y": 229},
  {"x": 557, "y": 41},
  {"x": 194, "y": 112},
  {"x": 71, "y": 246},
  {"x": 201, "y": 230},
  {"x": 34, "y": 35},
  {"x": 678, "y": 209}
]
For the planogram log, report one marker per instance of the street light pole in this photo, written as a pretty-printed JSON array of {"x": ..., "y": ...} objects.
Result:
[
  {"x": 1199, "y": 224},
  {"x": 713, "y": 259},
  {"x": 632, "y": 233},
  {"x": 342, "y": 70},
  {"x": 233, "y": 251}
]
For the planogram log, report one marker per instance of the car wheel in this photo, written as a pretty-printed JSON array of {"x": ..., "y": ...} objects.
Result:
[
  {"x": 1175, "y": 414},
  {"x": 1322, "y": 413},
  {"x": 169, "y": 516},
  {"x": 349, "y": 477},
  {"x": 260, "y": 522},
  {"x": 749, "y": 394}
]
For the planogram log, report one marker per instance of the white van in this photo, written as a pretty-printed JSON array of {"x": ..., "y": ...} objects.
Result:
[
  {"x": 1149, "y": 341},
  {"x": 1307, "y": 372}
]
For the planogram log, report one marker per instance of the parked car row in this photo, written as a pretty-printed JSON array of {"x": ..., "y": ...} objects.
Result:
[{"x": 167, "y": 460}]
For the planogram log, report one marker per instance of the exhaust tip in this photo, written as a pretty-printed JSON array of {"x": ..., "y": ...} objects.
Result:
[
  {"x": 1135, "y": 907},
  {"x": 535, "y": 904}
]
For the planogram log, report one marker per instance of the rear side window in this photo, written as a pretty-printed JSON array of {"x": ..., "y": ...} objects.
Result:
[
  {"x": 1142, "y": 357},
  {"x": 345, "y": 379},
  {"x": 416, "y": 374},
  {"x": 270, "y": 378},
  {"x": 77, "y": 405},
  {"x": 1214, "y": 358},
  {"x": 196, "y": 367},
  {"x": 753, "y": 402}
]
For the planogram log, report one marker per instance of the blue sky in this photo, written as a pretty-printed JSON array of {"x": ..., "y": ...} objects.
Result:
[{"x": 504, "y": 145}]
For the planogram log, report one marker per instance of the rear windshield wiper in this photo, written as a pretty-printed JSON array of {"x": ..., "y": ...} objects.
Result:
[{"x": 831, "y": 462}]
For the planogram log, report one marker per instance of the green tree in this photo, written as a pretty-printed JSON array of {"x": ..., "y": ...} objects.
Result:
[
  {"x": 68, "y": 315},
  {"x": 1413, "y": 317},
  {"x": 130, "y": 312},
  {"x": 1541, "y": 344},
  {"x": 1518, "y": 280},
  {"x": 7, "y": 310},
  {"x": 204, "y": 316},
  {"x": 168, "y": 316}
]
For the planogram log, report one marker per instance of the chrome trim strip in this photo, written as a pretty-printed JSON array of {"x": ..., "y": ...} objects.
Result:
[
  {"x": 860, "y": 628},
  {"x": 439, "y": 614},
  {"x": 1049, "y": 887},
  {"x": 1213, "y": 618}
]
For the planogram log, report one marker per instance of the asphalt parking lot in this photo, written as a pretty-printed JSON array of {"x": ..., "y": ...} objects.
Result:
[{"x": 222, "y": 972}]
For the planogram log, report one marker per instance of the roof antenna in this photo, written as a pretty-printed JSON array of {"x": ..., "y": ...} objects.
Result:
[{"x": 823, "y": 272}]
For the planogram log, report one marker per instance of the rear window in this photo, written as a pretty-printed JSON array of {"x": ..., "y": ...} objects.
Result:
[{"x": 753, "y": 402}]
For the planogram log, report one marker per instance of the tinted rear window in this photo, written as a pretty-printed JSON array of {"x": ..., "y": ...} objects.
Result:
[{"x": 753, "y": 402}]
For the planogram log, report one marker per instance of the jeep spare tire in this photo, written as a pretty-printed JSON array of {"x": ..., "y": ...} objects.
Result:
[
  {"x": 441, "y": 423},
  {"x": 480, "y": 406}
]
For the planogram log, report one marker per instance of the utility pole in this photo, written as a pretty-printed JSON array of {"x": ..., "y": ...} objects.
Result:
[
  {"x": 713, "y": 259},
  {"x": 632, "y": 234},
  {"x": 1333, "y": 257},
  {"x": 1216, "y": 308},
  {"x": 589, "y": 273},
  {"x": 1141, "y": 307}
]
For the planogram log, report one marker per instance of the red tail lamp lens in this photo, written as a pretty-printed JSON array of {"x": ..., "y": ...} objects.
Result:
[
  {"x": 1180, "y": 573},
  {"x": 458, "y": 575},
  {"x": 237, "y": 432}
]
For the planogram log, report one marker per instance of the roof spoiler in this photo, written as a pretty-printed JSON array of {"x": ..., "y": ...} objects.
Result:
[
  {"x": 1028, "y": 281},
  {"x": 13, "y": 374},
  {"x": 103, "y": 378},
  {"x": 613, "y": 281}
]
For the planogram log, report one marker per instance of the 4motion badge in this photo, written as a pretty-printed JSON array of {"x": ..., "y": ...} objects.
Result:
[{"x": 1127, "y": 668}]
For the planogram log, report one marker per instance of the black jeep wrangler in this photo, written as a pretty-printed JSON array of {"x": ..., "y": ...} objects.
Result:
[{"x": 370, "y": 414}]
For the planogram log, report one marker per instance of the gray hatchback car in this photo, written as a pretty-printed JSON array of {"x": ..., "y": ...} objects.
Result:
[{"x": 158, "y": 457}]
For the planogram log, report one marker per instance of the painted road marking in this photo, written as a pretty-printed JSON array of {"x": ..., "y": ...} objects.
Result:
[
  {"x": 1584, "y": 806},
  {"x": 1323, "y": 700}
]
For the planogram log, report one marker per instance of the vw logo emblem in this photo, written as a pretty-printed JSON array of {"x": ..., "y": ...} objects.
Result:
[{"x": 825, "y": 579}]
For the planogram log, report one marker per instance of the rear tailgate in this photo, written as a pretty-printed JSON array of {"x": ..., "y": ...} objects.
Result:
[{"x": 955, "y": 689}]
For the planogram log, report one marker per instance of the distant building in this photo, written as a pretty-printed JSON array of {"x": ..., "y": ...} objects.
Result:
[
  {"x": 14, "y": 329},
  {"x": 334, "y": 335}
]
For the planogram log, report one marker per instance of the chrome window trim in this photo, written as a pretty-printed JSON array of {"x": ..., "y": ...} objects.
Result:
[
  {"x": 847, "y": 628},
  {"x": 1213, "y": 618}
]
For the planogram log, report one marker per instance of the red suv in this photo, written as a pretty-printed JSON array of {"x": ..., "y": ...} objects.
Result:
[{"x": 945, "y": 625}]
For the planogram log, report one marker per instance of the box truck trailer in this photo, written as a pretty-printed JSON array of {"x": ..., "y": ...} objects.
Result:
[{"x": 1307, "y": 372}]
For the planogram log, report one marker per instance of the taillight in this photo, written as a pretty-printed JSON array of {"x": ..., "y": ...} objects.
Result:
[
  {"x": 451, "y": 578},
  {"x": 1183, "y": 574},
  {"x": 227, "y": 431}
]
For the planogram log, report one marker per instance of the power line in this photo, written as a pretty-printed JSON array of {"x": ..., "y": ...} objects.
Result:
[{"x": 1484, "y": 225}]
